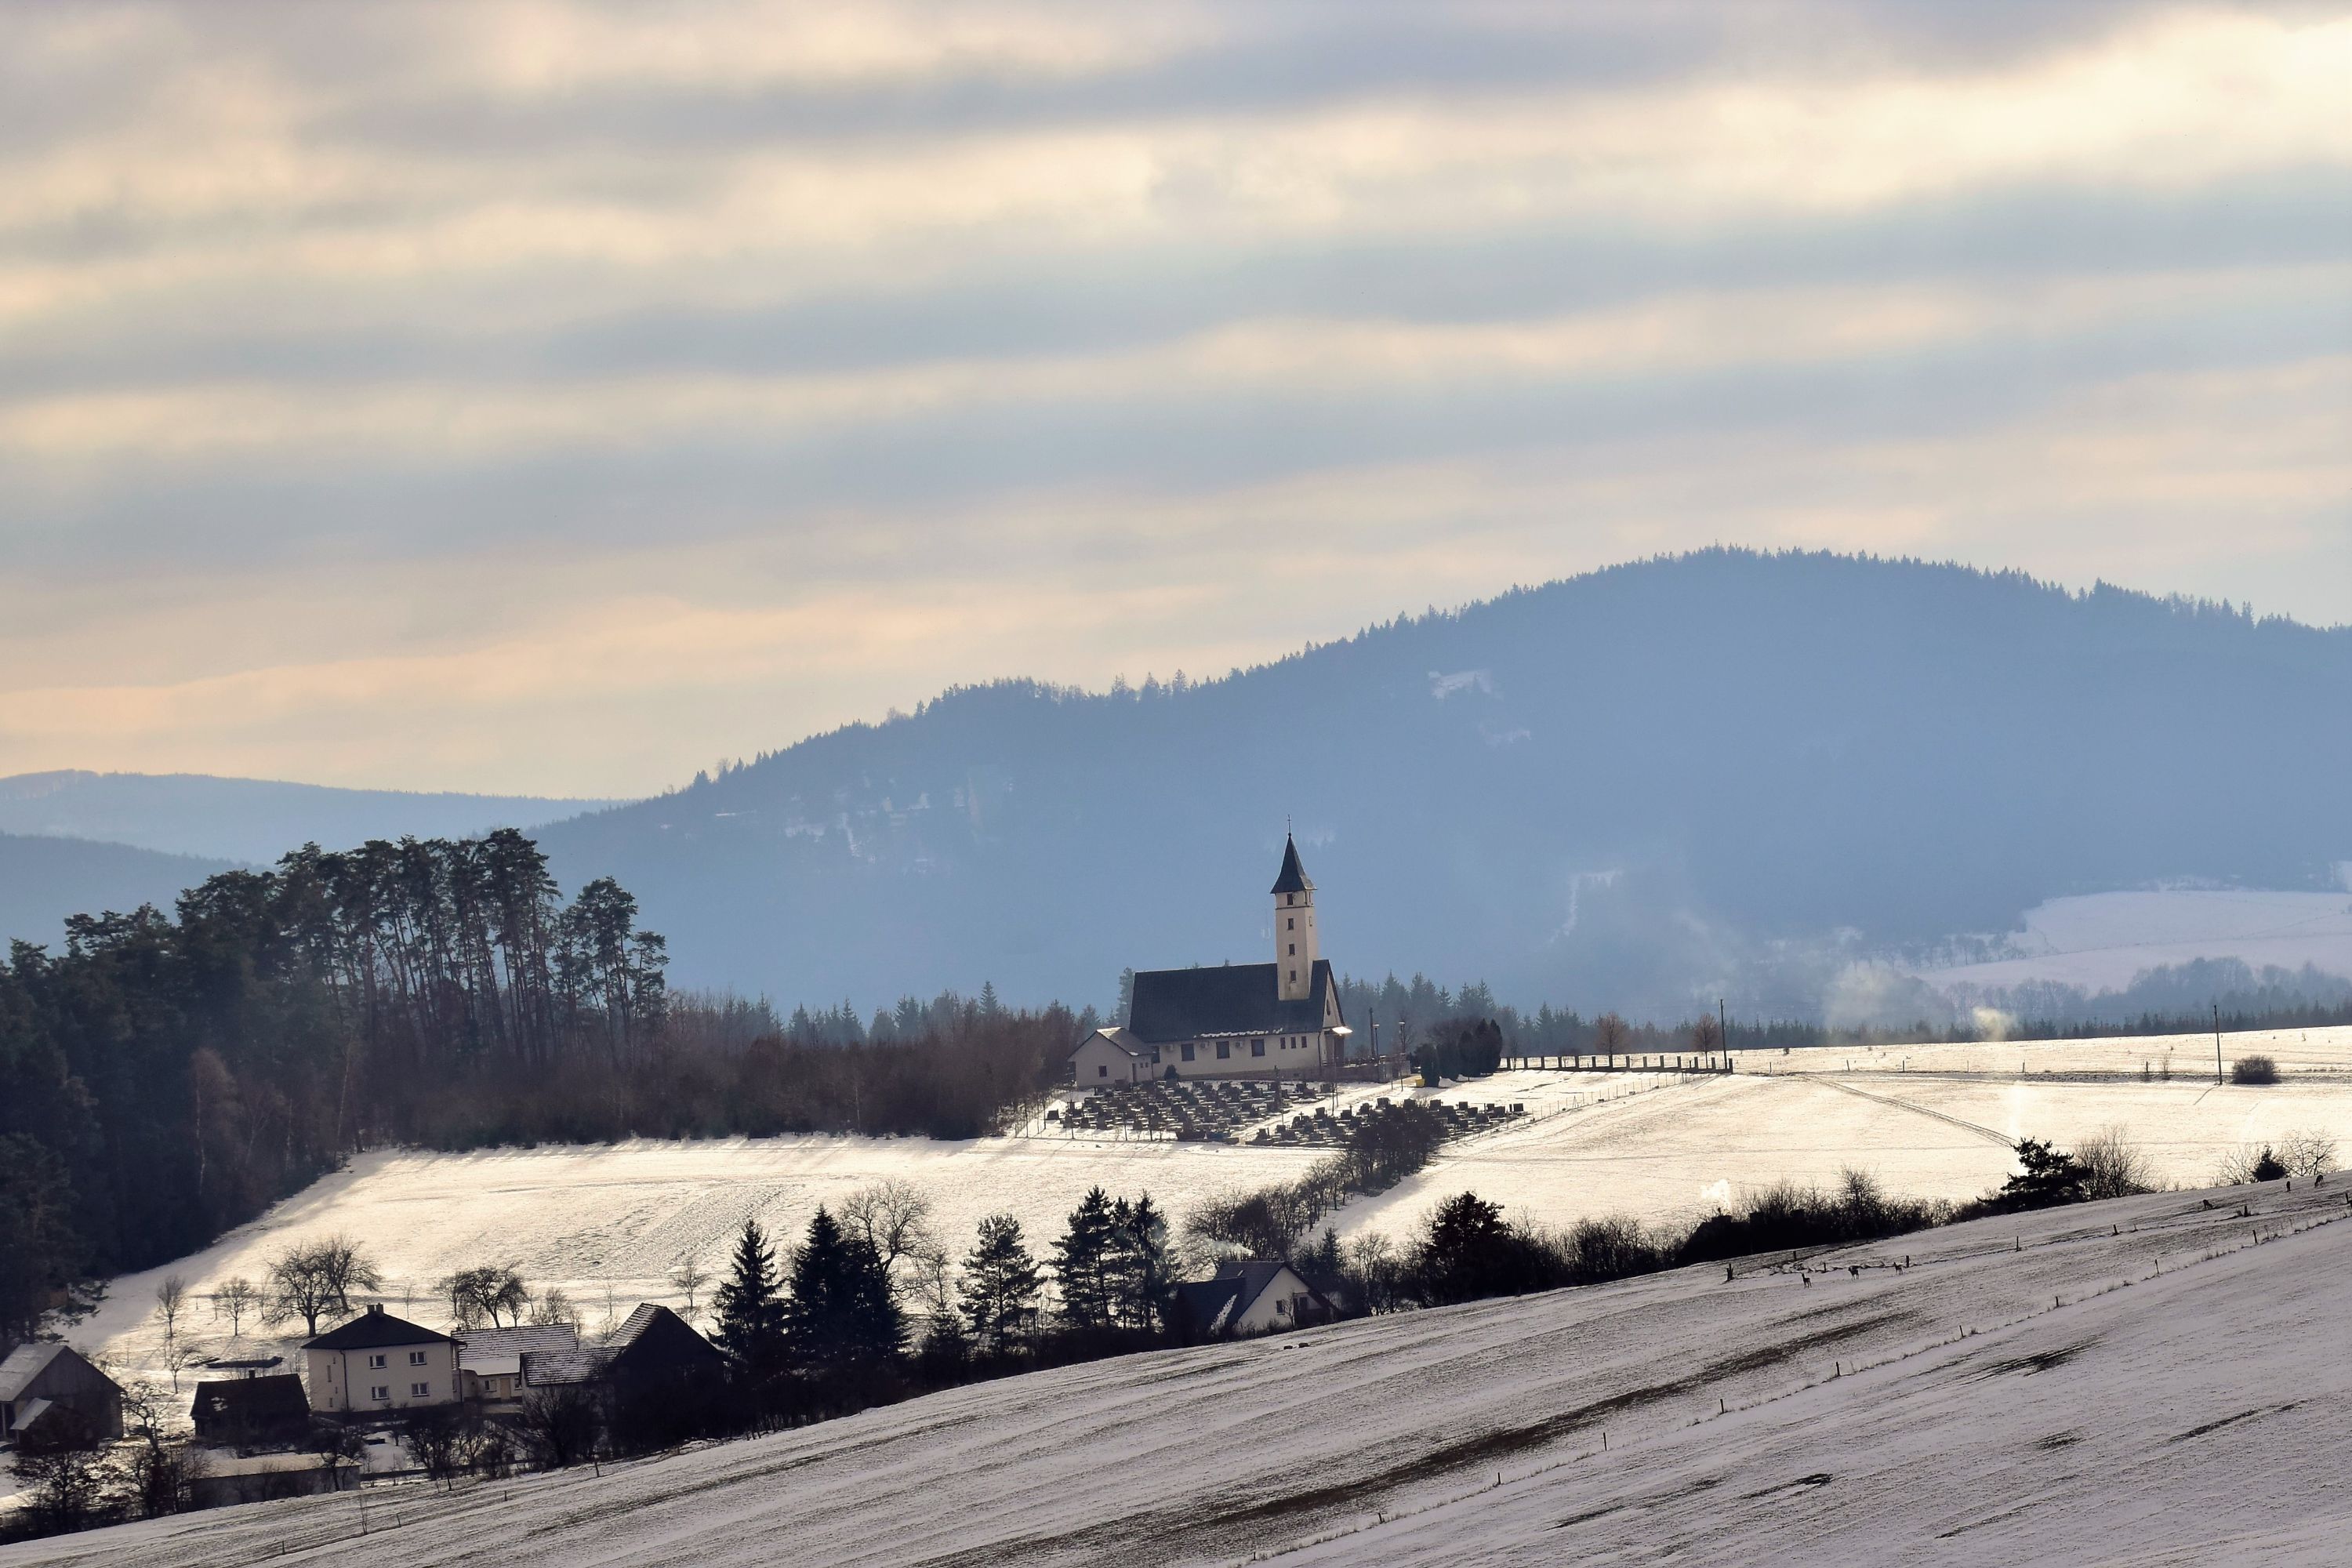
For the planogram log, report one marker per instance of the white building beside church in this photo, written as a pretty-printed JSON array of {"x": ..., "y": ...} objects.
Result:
[{"x": 1236, "y": 1020}]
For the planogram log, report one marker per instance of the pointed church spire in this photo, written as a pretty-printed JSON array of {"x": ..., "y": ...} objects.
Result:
[{"x": 1293, "y": 879}]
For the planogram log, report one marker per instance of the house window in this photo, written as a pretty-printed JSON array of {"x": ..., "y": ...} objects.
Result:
[
  {"x": 416, "y": 1358},
  {"x": 1258, "y": 1047},
  {"x": 1223, "y": 1051},
  {"x": 1101, "y": 1070},
  {"x": 381, "y": 1391},
  {"x": 1188, "y": 1050},
  {"x": 375, "y": 1364},
  {"x": 420, "y": 1391}
]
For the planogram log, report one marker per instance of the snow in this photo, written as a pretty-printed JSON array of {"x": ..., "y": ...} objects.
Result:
[
  {"x": 2144, "y": 1381},
  {"x": 607, "y": 1223},
  {"x": 2100, "y": 941}
]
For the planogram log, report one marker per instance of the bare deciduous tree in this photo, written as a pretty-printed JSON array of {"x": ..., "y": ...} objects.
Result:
[
  {"x": 894, "y": 1217},
  {"x": 1608, "y": 1034},
  {"x": 553, "y": 1308},
  {"x": 308, "y": 1280},
  {"x": 491, "y": 1291},
  {"x": 232, "y": 1299},
  {"x": 2309, "y": 1153},
  {"x": 688, "y": 1278},
  {"x": 2114, "y": 1166}
]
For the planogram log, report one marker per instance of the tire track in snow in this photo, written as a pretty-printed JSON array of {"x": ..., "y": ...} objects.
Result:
[{"x": 1979, "y": 1128}]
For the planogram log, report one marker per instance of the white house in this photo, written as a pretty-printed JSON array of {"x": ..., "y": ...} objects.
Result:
[
  {"x": 378, "y": 1362},
  {"x": 1245, "y": 1299},
  {"x": 1236, "y": 1020}
]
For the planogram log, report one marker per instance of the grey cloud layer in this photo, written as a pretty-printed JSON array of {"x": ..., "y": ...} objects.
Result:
[{"x": 289, "y": 295}]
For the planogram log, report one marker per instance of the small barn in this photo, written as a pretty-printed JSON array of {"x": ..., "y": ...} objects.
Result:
[
  {"x": 51, "y": 1390},
  {"x": 1255, "y": 1297},
  {"x": 242, "y": 1411}
]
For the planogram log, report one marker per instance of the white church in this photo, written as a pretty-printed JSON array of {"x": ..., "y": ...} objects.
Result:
[{"x": 1237, "y": 1020}]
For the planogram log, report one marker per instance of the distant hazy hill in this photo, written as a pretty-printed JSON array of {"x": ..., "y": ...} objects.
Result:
[
  {"x": 42, "y": 880},
  {"x": 252, "y": 820},
  {"x": 1720, "y": 772}
]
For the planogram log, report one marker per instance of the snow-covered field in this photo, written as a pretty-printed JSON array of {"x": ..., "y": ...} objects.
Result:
[
  {"x": 2100, "y": 941},
  {"x": 608, "y": 1223},
  {"x": 2152, "y": 1381}
]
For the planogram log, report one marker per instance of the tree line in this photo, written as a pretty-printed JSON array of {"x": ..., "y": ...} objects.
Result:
[{"x": 167, "y": 1075}]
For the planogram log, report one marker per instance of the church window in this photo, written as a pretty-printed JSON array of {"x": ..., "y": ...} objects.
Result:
[
  {"x": 1224, "y": 1050},
  {"x": 1188, "y": 1050},
  {"x": 1293, "y": 974},
  {"x": 1258, "y": 1047},
  {"x": 1294, "y": 950},
  {"x": 1291, "y": 923}
]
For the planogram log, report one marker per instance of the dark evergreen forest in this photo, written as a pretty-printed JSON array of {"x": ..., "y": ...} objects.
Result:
[{"x": 1722, "y": 775}]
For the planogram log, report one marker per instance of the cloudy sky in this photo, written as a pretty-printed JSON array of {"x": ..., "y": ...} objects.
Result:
[{"x": 559, "y": 396}]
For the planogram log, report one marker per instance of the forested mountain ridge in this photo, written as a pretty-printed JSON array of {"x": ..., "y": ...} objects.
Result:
[
  {"x": 1636, "y": 788},
  {"x": 249, "y": 820}
]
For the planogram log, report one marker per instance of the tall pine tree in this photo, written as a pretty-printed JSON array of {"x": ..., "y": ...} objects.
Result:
[
  {"x": 1083, "y": 1258},
  {"x": 1142, "y": 1279},
  {"x": 999, "y": 1286},
  {"x": 750, "y": 1314}
]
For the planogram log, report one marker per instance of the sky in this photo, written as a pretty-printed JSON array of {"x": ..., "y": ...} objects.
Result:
[{"x": 559, "y": 397}]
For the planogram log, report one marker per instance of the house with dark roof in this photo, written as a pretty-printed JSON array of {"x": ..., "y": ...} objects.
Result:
[
  {"x": 653, "y": 1346},
  {"x": 377, "y": 1362},
  {"x": 1246, "y": 1298},
  {"x": 246, "y": 1410},
  {"x": 49, "y": 1389},
  {"x": 1236, "y": 1020}
]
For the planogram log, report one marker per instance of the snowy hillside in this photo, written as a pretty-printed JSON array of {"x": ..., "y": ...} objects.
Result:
[
  {"x": 2144, "y": 1381},
  {"x": 2101, "y": 941},
  {"x": 608, "y": 1223}
]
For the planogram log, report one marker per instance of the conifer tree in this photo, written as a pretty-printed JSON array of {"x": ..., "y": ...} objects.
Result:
[
  {"x": 1083, "y": 1263},
  {"x": 999, "y": 1286},
  {"x": 1141, "y": 1277},
  {"x": 841, "y": 1311},
  {"x": 750, "y": 1312}
]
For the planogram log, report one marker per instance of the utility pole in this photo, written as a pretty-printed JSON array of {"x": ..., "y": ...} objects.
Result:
[
  {"x": 1723, "y": 1030},
  {"x": 2217, "y": 1042}
]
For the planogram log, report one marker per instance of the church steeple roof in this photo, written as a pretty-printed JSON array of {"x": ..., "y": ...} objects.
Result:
[{"x": 1294, "y": 876}]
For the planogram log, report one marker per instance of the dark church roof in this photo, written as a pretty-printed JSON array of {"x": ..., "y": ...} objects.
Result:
[
  {"x": 1230, "y": 999},
  {"x": 1294, "y": 876}
]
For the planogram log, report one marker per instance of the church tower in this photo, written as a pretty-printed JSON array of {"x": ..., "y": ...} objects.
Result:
[{"x": 1294, "y": 927}]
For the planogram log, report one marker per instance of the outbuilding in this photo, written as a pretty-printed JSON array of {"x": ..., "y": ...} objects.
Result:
[{"x": 51, "y": 1390}]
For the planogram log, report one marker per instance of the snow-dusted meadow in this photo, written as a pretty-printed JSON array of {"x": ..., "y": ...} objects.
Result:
[
  {"x": 608, "y": 1223},
  {"x": 2151, "y": 1380}
]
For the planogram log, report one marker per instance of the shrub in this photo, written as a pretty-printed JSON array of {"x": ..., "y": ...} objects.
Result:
[
  {"x": 2251, "y": 1163},
  {"x": 2112, "y": 1167},
  {"x": 2253, "y": 1070}
]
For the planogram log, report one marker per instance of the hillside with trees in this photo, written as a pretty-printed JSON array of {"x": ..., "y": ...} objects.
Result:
[{"x": 1726, "y": 774}]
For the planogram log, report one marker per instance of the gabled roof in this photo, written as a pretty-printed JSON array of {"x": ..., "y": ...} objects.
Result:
[
  {"x": 374, "y": 1328},
  {"x": 544, "y": 1369},
  {"x": 634, "y": 1326},
  {"x": 1293, "y": 879},
  {"x": 493, "y": 1353},
  {"x": 1230, "y": 999},
  {"x": 1118, "y": 1039},
  {"x": 278, "y": 1398},
  {"x": 25, "y": 1362}
]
